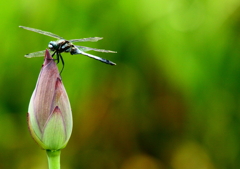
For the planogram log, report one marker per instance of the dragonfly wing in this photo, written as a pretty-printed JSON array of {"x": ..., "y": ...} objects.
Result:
[
  {"x": 37, "y": 54},
  {"x": 77, "y": 51},
  {"x": 85, "y": 49},
  {"x": 94, "y": 39},
  {"x": 42, "y": 32}
]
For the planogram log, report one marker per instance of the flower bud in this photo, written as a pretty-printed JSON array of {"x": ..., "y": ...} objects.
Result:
[{"x": 49, "y": 112}]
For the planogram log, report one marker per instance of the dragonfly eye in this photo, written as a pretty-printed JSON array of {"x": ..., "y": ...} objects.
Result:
[{"x": 52, "y": 45}]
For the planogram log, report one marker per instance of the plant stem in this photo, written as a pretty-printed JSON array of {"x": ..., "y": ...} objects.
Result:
[{"x": 53, "y": 159}]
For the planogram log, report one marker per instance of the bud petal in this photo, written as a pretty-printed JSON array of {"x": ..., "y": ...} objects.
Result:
[
  {"x": 61, "y": 100},
  {"x": 55, "y": 127}
]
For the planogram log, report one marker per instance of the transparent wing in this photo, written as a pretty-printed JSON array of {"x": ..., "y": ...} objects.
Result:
[
  {"x": 94, "y": 39},
  {"x": 85, "y": 49},
  {"x": 37, "y": 54},
  {"x": 77, "y": 51},
  {"x": 42, "y": 32}
]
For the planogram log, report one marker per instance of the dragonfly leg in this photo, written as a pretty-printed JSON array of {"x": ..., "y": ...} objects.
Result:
[
  {"x": 60, "y": 56},
  {"x": 53, "y": 53},
  {"x": 57, "y": 56},
  {"x": 53, "y": 56}
]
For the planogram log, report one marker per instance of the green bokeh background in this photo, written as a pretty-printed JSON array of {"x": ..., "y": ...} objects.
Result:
[{"x": 172, "y": 101}]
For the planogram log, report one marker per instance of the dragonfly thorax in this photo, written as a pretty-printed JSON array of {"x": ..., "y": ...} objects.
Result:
[{"x": 60, "y": 46}]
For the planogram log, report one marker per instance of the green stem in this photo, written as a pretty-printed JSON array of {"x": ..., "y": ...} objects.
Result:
[{"x": 53, "y": 159}]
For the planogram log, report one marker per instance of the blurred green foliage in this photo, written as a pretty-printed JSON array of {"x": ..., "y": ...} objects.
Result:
[{"x": 172, "y": 101}]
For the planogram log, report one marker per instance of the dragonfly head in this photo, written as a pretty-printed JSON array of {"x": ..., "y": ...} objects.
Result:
[{"x": 53, "y": 45}]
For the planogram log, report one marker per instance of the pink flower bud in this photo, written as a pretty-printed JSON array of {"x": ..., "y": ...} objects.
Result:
[{"x": 49, "y": 112}]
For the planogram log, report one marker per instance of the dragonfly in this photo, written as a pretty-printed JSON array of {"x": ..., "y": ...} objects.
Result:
[{"x": 67, "y": 46}]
